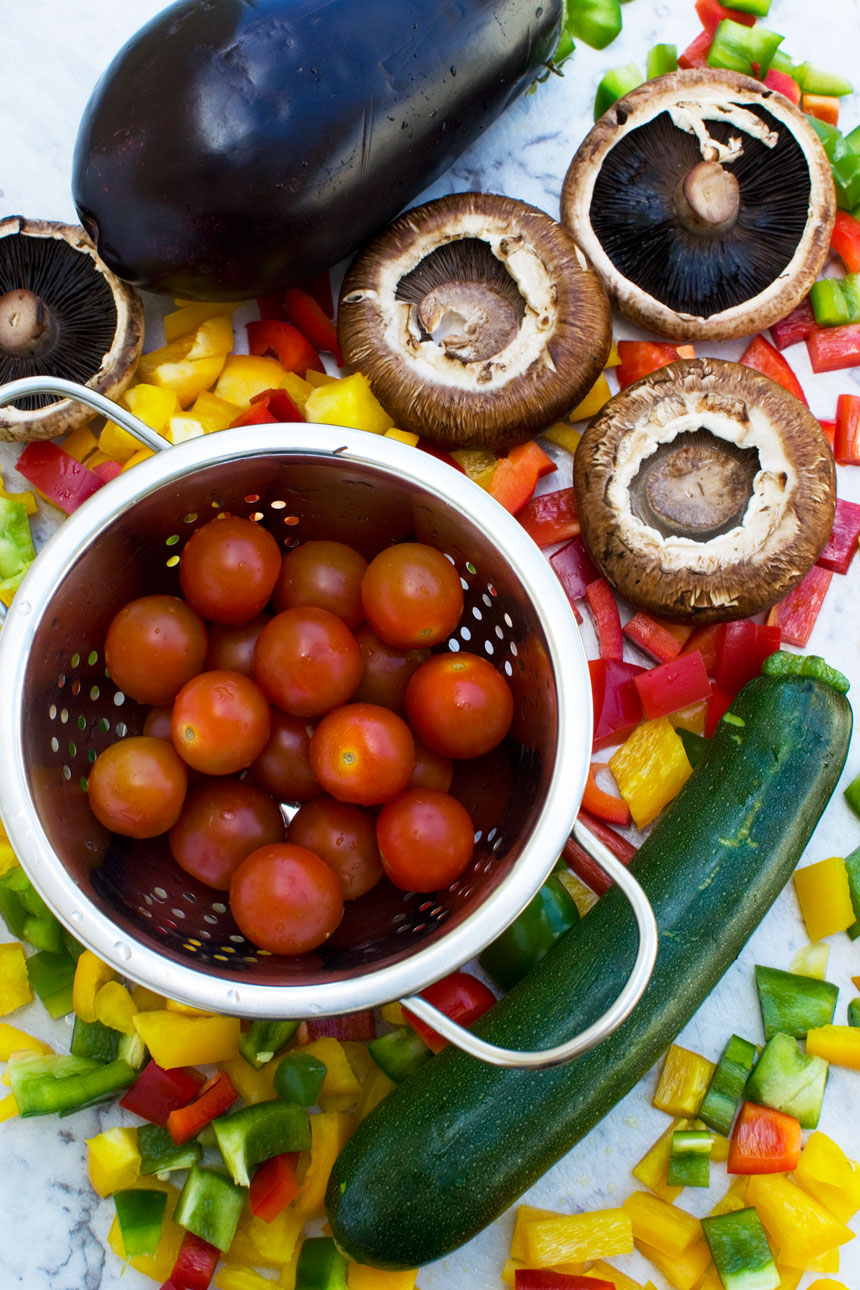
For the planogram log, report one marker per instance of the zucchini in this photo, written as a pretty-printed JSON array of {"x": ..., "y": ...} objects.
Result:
[{"x": 459, "y": 1141}]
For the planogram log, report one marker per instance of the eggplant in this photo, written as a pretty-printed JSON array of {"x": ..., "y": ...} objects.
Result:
[{"x": 236, "y": 147}]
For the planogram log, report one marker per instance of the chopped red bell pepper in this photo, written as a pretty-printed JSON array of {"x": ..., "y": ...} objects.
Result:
[
  {"x": 615, "y": 699},
  {"x": 269, "y": 406},
  {"x": 156, "y": 1092},
  {"x": 696, "y": 53},
  {"x": 107, "y": 470},
  {"x": 652, "y": 637},
  {"x": 515, "y": 477},
  {"x": 461, "y": 996},
  {"x": 673, "y": 685},
  {"x": 574, "y": 568},
  {"x": 216, "y": 1095},
  {"x": 763, "y": 1141},
  {"x": 432, "y": 450},
  {"x": 607, "y": 620},
  {"x": 305, "y": 313},
  {"x": 292, "y": 350},
  {"x": 57, "y": 476},
  {"x": 360, "y": 1025},
  {"x": 550, "y": 517},
  {"x": 606, "y": 806},
  {"x": 831, "y": 349},
  {"x": 783, "y": 84},
  {"x": 829, "y": 428},
  {"x": 824, "y": 107},
  {"x": 545, "y": 1279},
  {"x": 580, "y": 862},
  {"x": 711, "y": 13},
  {"x": 841, "y": 546},
  {"x": 762, "y": 356},
  {"x": 274, "y": 1186},
  {"x": 796, "y": 614},
  {"x": 257, "y": 414},
  {"x": 795, "y": 326},
  {"x": 845, "y": 240},
  {"x": 704, "y": 639},
  {"x": 195, "y": 1264},
  {"x": 642, "y": 357},
  {"x": 742, "y": 647},
  {"x": 718, "y": 704},
  {"x": 846, "y": 433}
]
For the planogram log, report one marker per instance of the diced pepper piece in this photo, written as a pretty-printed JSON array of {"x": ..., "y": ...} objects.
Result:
[
  {"x": 794, "y": 327},
  {"x": 823, "y": 106},
  {"x": 639, "y": 358},
  {"x": 726, "y": 1088},
  {"x": 653, "y": 1168},
  {"x": 348, "y": 402},
  {"x": 690, "y": 1158},
  {"x": 834, "y": 302},
  {"x": 214, "y": 1097},
  {"x": 347, "y": 1027},
  {"x": 816, "y": 80},
  {"x": 696, "y": 53},
  {"x": 683, "y": 1270},
  {"x": 673, "y": 685},
  {"x": 660, "y": 60},
  {"x": 783, "y": 83},
  {"x": 762, "y": 356},
  {"x": 528, "y": 938},
  {"x": 304, "y": 312},
  {"x": 181, "y": 429},
  {"x": 253, "y": 1134},
  {"x": 711, "y": 13},
  {"x": 17, "y": 551},
  {"x": 274, "y": 1186},
  {"x": 797, "y": 613},
  {"x": 195, "y": 1263},
  {"x": 666, "y": 1228},
  {"x": 527, "y": 1214},
  {"x": 607, "y": 620},
  {"x": 266, "y": 1244},
  {"x": 595, "y": 399},
  {"x": 825, "y": 897},
  {"x": 329, "y": 1132},
  {"x": 793, "y": 1004},
  {"x": 748, "y": 50},
  {"x": 299, "y": 1078},
  {"x": 764, "y": 1141},
  {"x": 285, "y": 342},
  {"x": 338, "y": 1079},
  {"x": 245, "y": 375},
  {"x": 25, "y": 912},
  {"x": 237, "y": 1277},
  {"x": 740, "y": 1251},
  {"x": 597, "y": 801},
  {"x": 399, "y": 1053},
  {"x": 695, "y": 745},
  {"x": 827, "y": 1174},
  {"x": 564, "y": 435},
  {"x": 613, "y": 85},
  {"x": 788, "y": 1080},
  {"x": 156, "y": 1092},
  {"x": 615, "y": 699},
  {"x": 175, "y": 1040},
  {"x": 741, "y": 648},
  {"x": 320, "y": 1265},
  {"x": 651, "y": 768},
  {"x": 837, "y": 1044},
  {"x": 516, "y": 475},
  {"x": 263, "y": 1040},
  {"x": 55, "y": 1082},
  {"x": 190, "y": 317},
  {"x": 359, "y": 1277},
  {"x": 113, "y": 1160},
  {"x": 811, "y": 960},
  {"x": 841, "y": 546},
  {"x": 51, "y": 976},
  {"x": 141, "y": 1215},
  {"x": 159, "y": 1154},
  {"x": 92, "y": 1039},
  {"x": 159, "y": 1265},
  {"x": 852, "y": 794},
  {"x": 846, "y": 434},
  {"x": 684, "y": 1080},
  {"x": 619, "y": 1280},
  {"x": 209, "y": 1205},
  {"x": 114, "y": 1007},
  {"x": 652, "y": 637},
  {"x": 459, "y": 995},
  {"x": 573, "y": 568},
  {"x": 13, "y": 1040},
  {"x": 90, "y": 975},
  {"x": 595, "y": 22},
  {"x": 831, "y": 349},
  {"x": 550, "y": 517},
  {"x": 213, "y": 338},
  {"x": 845, "y": 240},
  {"x": 795, "y": 1221},
  {"x": 547, "y": 1279},
  {"x": 56, "y": 476},
  {"x": 599, "y": 1234},
  {"x": 582, "y": 864},
  {"x": 852, "y": 869}
]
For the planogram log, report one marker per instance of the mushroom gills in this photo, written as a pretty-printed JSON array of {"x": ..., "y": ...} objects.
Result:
[{"x": 697, "y": 486}]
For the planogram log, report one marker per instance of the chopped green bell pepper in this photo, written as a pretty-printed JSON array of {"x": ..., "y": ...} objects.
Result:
[
  {"x": 727, "y": 1085},
  {"x": 660, "y": 60},
  {"x": 690, "y": 1158},
  {"x": 617, "y": 82},
  {"x": 740, "y": 1251},
  {"x": 748, "y": 50},
  {"x": 255, "y": 1133},
  {"x": 51, "y": 976},
  {"x": 320, "y": 1265},
  {"x": 93, "y": 1039},
  {"x": 26, "y": 914},
  {"x": 299, "y": 1078},
  {"x": 854, "y": 1013},
  {"x": 399, "y": 1053},
  {"x": 141, "y": 1219},
  {"x": 56, "y": 1082},
  {"x": 788, "y": 1080},
  {"x": 852, "y": 869},
  {"x": 524, "y": 943},
  {"x": 852, "y": 795},
  {"x": 760, "y": 8},
  {"x": 210, "y": 1206},
  {"x": 793, "y": 1004},
  {"x": 159, "y": 1154},
  {"x": 814, "y": 80},
  {"x": 263, "y": 1040},
  {"x": 17, "y": 551},
  {"x": 594, "y": 22}
]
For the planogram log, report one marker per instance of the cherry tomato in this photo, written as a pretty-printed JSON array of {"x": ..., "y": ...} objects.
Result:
[
  {"x": 228, "y": 569},
  {"x": 283, "y": 768},
  {"x": 386, "y": 671},
  {"x": 153, "y": 646},
  {"x": 432, "y": 770},
  {"x": 307, "y": 661},
  {"x": 411, "y": 595},
  {"x": 425, "y": 839},
  {"x": 345, "y": 837},
  {"x": 231, "y": 645},
  {"x": 326, "y": 575},
  {"x": 459, "y": 704},
  {"x": 363, "y": 754},
  {"x": 285, "y": 899},
  {"x": 158, "y": 722},
  {"x": 137, "y": 786},
  {"x": 220, "y": 722},
  {"x": 461, "y": 996},
  {"x": 222, "y": 821}
]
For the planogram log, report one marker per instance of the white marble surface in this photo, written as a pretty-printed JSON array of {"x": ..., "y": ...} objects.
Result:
[{"x": 52, "y": 1227}]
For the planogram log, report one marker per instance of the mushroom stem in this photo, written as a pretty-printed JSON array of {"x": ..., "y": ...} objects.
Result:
[
  {"x": 24, "y": 322},
  {"x": 707, "y": 199}
]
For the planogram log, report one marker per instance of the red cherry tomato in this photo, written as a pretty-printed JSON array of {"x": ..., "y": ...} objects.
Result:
[
  {"x": 459, "y": 704},
  {"x": 307, "y": 661},
  {"x": 411, "y": 595},
  {"x": 222, "y": 821},
  {"x": 425, "y": 839},
  {"x": 137, "y": 786},
  {"x": 231, "y": 645},
  {"x": 220, "y": 722},
  {"x": 158, "y": 722},
  {"x": 153, "y": 646},
  {"x": 285, "y": 899},
  {"x": 432, "y": 770},
  {"x": 345, "y": 837},
  {"x": 326, "y": 575},
  {"x": 362, "y": 754},
  {"x": 228, "y": 569},
  {"x": 386, "y": 671},
  {"x": 283, "y": 768},
  {"x": 461, "y": 996}
]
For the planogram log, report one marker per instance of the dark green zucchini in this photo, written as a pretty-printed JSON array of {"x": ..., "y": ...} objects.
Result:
[{"x": 457, "y": 1143}]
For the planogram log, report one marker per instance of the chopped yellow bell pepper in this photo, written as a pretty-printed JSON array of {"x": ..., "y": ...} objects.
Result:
[
  {"x": 828, "y": 1262},
  {"x": 188, "y": 377},
  {"x": 137, "y": 458},
  {"x": 212, "y": 412},
  {"x": 26, "y": 499},
  {"x": 574, "y": 1237},
  {"x": 13, "y": 1040},
  {"x": 187, "y": 1009},
  {"x": 827, "y": 1285},
  {"x": 14, "y": 981},
  {"x": 152, "y": 404},
  {"x": 614, "y": 357},
  {"x": 735, "y": 1197},
  {"x": 789, "y": 1278},
  {"x": 650, "y": 768},
  {"x": 720, "y": 1146},
  {"x": 298, "y": 389},
  {"x": 147, "y": 1000},
  {"x": 581, "y": 895},
  {"x": 265, "y": 1245},
  {"x": 188, "y": 318},
  {"x": 597, "y": 396},
  {"x": 683, "y": 1082},
  {"x": 378, "y": 1086},
  {"x": 339, "y": 1077},
  {"x": 528, "y": 1214},
  {"x": 180, "y": 429},
  {"x": 348, "y": 401},
  {"x": 683, "y": 1269},
  {"x": 8, "y": 859},
  {"x": 245, "y": 375},
  {"x": 213, "y": 338},
  {"x": 691, "y": 718},
  {"x": 8, "y": 1107},
  {"x": 114, "y": 1007},
  {"x": 393, "y": 1014},
  {"x": 159, "y": 1265},
  {"x": 563, "y": 436},
  {"x": 287, "y": 1278},
  {"x": 475, "y": 461},
  {"x": 316, "y": 379},
  {"x": 837, "y": 1044},
  {"x": 329, "y": 1132},
  {"x": 359, "y": 1277},
  {"x": 826, "y": 1173},
  {"x": 90, "y": 975},
  {"x": 175, "y": 1040},
  {"x": 252, "y": 1086},
  {"x": 606, "y": 1272},
  {"x": 651, "y": 1170},
  {"x": 825, "y": 897},
  {"x": 80, "y": 444},
  {"x": 795, "y": 1221},
  {"x": 665, "y": 1227},
  {"x": 237, "y": 1277},
  {"x": 117, "y": 443},
  {"x": 402, "y": 436},
  {"x": 811, "y": 960},
  {"x": 712, "y": 1279},
  {"x": 113, "y": 1161}
]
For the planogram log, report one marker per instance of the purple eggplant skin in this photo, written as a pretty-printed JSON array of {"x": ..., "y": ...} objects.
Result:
[{"x": 237, "y": 147}]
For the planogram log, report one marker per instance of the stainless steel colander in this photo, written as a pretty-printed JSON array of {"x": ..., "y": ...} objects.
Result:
[{"x": 127, "y": 900}]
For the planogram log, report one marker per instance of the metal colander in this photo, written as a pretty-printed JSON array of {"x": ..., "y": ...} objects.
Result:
[{"x": 128, "y": 900}]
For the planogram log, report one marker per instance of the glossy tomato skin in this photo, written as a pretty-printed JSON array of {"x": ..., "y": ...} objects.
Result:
[
  {"x": 459, "y": 704},
  {"x": 342, "y": 835},
  {"x": 386, "y": 671},
  {"x": 222, "y": 821},
  {"x": 324, "y": 574},
  {"x": 426, "y": 839},
  {"x": 411, "y": 595},
  {"x": 153, "y": 646},
  {"x": 158, "y": 722},
  {"x": 285, "y": 899},
  {"x": 461, "y": 996},
  {"x": 231, "y": 646},
  {"x": 228, "y": 568},
  {"x": 363, "y": 754},
  {"x": 432, "y": 770},
  {"x": 137, "y": 786},
  {"x": 220, "y": 722},
  {"x": 307, "y": 661},
  {"x": 283, "y": 768}
]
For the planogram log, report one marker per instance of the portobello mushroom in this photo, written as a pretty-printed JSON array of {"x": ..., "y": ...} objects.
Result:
[
  {"x": 705, "y": 202},
  {"x": 705, "y": 491},
  {"x": 476, "y": 319}
]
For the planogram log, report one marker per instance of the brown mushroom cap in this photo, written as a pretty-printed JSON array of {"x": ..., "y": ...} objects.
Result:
[
  {"x": 705, "y": 202},
  {"x": 705, "y": 491},
  {"x": 476, "y": 319},
  {"x": 62, "y": 313}
]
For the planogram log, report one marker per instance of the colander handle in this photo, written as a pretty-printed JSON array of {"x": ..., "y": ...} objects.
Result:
[
  {"x": 594, "y": 1034},
  {"x": 27, "y": 385}
]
